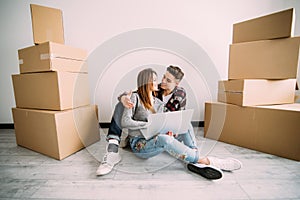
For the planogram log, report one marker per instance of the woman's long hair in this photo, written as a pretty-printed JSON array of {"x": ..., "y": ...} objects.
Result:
[{"x": 145, "y": 85}]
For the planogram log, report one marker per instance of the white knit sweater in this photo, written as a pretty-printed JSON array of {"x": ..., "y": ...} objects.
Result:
[{"x": 137, "y": 118}]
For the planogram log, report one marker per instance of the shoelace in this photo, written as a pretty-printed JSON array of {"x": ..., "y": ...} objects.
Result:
[{"x": 104, "y": 161}]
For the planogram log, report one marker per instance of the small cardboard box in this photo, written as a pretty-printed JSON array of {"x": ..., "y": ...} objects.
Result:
[
  {"x": 270, "y": 129},
  {"x": 57, "y": 134},
  {"x": 267, "y": 59},
  {"x": 51, "y": 56},
  {"x": 51, "y": 90},
  {"x": 251, "y": 92},
  {"x": 47, "y": 24},
  {"x": 275, "y": 25}
]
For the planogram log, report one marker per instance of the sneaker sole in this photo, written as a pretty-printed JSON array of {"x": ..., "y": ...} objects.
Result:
[
  {"x": 206, "y": 172},
  {"x": 233, "y": 169},
  {"x": 103, "y": 173},
  {"x": 240, "y": 163}
]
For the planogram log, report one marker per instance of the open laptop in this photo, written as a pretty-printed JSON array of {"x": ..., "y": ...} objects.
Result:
[{"x": 177, "y": 122}]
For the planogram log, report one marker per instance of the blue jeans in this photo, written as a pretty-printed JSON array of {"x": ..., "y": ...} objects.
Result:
[
  {"x": 115, "y": 129},
  {"x": 148, "y": 148},
  {"x": 188, "y": 138}
]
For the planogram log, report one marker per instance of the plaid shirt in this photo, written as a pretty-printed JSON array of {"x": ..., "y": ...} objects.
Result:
[{"x": 177, "y": 100}]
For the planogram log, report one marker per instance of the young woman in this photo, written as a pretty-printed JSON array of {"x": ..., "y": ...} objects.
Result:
[{"x": 144, "y": 102}]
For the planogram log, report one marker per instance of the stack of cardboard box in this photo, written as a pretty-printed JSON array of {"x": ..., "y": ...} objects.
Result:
[
  {"x": 53, "y": 115},
  {"x": 256, "y": 106}
]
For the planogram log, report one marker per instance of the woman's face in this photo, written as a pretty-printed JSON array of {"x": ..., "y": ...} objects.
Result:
[{"x": 154, "y": 83}]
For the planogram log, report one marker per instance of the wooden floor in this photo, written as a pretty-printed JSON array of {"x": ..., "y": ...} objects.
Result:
[{"x": 25, "y": 174}]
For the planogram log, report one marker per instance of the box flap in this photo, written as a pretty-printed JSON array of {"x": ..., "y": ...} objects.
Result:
[
  {"x": 275, "y": 25},
  {"x": 50, "y": 50},
  {"x": 64, "y": 51},
  {"x": 47, "y": 24},
  {"x": 289, "y": 107}
]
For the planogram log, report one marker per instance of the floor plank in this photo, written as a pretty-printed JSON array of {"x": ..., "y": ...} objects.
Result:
[{"x": 25, "y": 174}]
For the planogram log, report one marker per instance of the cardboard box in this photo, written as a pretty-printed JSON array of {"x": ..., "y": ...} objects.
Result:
[
  {"x": 275, "y": 25},
  {"x": 251, "y": 92},
  {"x": 47, "y": 24},
  {"x": 268, "y": 59},
  {"x": 57, "y": 134},
  {"x": 51, "y": 90},
  {"x": 51, "y": 56},
  {"x": 297, "y": 96},
  {"x": 270, "y": 129}
]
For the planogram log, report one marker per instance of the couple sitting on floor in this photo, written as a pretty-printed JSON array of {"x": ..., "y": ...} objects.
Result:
[{"x": 132, "y": 112}]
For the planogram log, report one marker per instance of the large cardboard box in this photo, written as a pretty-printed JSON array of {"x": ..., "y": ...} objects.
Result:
[
  {"x": 270, "y": 129},
  {"x": 51, "y": 56},
  {"x": 251, "y": 92},
  {"x": 47, "y": 24},
  {"x": 57, "y": 134},
  {"x": 297, "y": 96},
  {"x": 268, "y": 59},
  {"x": 275, "y": 25},
  {"x": 51, "y": 90}
]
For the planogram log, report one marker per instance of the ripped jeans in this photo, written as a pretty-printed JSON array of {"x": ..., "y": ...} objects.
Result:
[
  {"x": 148, "y": 148},
  {"x": 115, "y": 129}
]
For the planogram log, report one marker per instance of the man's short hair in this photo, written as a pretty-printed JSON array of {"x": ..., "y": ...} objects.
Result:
[{"x": 176, "y": 72}]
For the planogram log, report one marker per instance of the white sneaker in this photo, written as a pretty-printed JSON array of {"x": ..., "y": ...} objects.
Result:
[
  {"x": 110, "y": 159},
  {"x": 227, "y": 164}
]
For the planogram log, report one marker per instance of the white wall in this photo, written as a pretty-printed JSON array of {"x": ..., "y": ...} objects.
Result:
[{"x": 194, "y": 34}]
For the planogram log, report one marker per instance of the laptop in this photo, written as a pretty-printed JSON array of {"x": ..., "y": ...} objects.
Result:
[{"x": 160, "y": 123}]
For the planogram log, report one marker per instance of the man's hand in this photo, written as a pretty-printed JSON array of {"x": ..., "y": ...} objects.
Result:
[
  {"x": 125, "y": 100},
  {"x": 170, "y": 133}
]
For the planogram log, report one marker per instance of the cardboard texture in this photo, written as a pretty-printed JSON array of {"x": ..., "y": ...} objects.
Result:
[
  {"x": 57, "y": 134},
  {"x": 269, "y": 59},
  {"x": 51, "y": 56},
  {"x": 47, "y": 24},
  {"x": 270, "y": 129},
  {"x": 273, "y": 26},
  {"x": 51, "y": 90},
  {"x": 251, "y": 92}
]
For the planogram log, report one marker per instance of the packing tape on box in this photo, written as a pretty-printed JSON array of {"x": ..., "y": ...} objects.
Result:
[{"x": 45, "y": 56}]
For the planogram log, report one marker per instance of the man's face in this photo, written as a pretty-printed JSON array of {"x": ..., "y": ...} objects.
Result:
[{"x": 168, "y": 81}]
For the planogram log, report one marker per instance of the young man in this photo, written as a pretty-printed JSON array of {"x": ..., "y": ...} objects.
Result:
[{"x": 174, "y": 98}]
